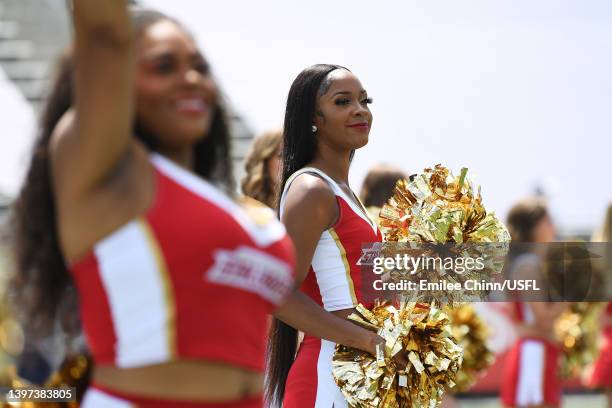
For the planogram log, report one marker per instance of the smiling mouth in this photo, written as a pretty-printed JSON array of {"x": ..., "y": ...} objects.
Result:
[
  {"x": 193, "y": 106},
  {"x": 360, "y": 126}
]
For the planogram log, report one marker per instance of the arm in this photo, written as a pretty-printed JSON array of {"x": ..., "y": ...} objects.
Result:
[
  {"x": 91, "y": 141},
  {"x": 310, "y": 208},
  {"x": 304, "y": 314}
]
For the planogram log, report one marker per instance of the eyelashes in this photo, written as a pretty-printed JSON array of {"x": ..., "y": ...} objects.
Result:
[{"x": 346, "y": 101}]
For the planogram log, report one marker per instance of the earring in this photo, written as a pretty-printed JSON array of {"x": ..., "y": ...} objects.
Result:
[{"x": 314, "y": 129}]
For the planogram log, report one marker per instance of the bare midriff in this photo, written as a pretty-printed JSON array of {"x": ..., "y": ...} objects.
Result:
[
  {"x": 198, "y": 381},
  {"x": 547, "y": 333}
]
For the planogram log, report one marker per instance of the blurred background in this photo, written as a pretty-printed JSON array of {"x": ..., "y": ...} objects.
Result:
[
  {"x": 520, "y": 92},
  {"x": 517, "y": 91}
]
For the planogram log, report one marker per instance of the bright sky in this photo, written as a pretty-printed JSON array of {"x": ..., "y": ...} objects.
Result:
[{"x": 518, "y": 91}]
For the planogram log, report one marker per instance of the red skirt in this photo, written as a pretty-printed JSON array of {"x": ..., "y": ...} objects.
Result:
[
  {"x": 531, "y": 374},
  {"x": 310, "y": 383}
]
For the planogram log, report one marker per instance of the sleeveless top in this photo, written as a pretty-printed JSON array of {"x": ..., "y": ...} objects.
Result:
[
  {"x": 334, "y": 278},
  {"x": 195, "y": 277}
]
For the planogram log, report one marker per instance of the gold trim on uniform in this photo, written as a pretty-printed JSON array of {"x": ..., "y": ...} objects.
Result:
[
  {"x": 347, "y": 268},
  {"x": 167, "y": 285}
]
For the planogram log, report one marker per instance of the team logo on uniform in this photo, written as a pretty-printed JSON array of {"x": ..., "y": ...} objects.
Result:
[
  {"x": 369, "y": 252},
  {"x": 251, "y": 270}
]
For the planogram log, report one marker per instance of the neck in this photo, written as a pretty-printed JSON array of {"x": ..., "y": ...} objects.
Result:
[
  {"x": 182, "y": 157},
  {"x": 334, "y": 163}
]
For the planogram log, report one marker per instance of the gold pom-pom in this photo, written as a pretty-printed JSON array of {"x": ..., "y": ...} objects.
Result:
[
  {"x": 471, "y": 333},
  {"x": 421, "y": 331},
  {"x": 438, "y": 207},
  {"x": 578, "y": 330},
  {"x": 439, "y": 213}
]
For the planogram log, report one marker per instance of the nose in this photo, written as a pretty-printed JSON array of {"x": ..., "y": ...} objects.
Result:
[
  {"x": 361, "y": 110},
  {"x": 192, "y": 77}
]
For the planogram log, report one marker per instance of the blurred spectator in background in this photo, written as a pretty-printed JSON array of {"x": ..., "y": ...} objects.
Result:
[
  {"x": 262, "y": 166},
  {"x": 378, "y": 187},
  {"x": 531, "y": 374}
]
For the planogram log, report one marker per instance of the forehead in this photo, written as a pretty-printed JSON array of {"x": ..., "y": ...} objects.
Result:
[
  {"x": 342, "y": 80},
  {"x": 165, "y": 36}
]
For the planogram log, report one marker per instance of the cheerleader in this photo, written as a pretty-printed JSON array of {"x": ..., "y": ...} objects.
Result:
[
  {"x": 601, "y": 376},
  {"x": 125, "y": 201},
  {"x": 531, "y": 377},
  {"x": 327, "y": 118}
]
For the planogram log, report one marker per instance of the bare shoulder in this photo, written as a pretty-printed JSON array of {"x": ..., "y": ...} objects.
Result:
[
  {"x": 311, "y": 199},
  {"x": 66, "y": 160},
  {"x": 308, "y": 190}
]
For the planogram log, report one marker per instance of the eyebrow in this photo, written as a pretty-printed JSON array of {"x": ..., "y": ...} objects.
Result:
[
  {"x": 363, "y": 91},
  {"x": 170, "y": 54}
]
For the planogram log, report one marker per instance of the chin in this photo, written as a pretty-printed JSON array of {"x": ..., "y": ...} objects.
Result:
[
  {"x": 191, "y": 134},
  {"x": 360, "y": 143}
]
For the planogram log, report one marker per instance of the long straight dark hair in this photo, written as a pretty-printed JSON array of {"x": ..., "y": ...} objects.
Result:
[
  {"x": 299, "y": 148},
  {"x": 42, "y": 289}
]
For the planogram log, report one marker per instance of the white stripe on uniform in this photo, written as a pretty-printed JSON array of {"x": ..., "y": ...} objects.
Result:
[
  {"x": 133, "y": 280},
  {"x": 529, "y": 390},
  {"x": 328, "y": 393},
  {"x": 332, "y": 275}
]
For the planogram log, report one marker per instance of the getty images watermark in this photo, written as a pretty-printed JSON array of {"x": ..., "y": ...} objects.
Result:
[
  {"x": 566, "y": 271},
  {"x": 412, "y": 265}
]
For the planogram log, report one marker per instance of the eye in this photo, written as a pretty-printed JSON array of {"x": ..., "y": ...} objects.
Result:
[
  {"x": 164, "y": 66},
  {"x": 202, "y": 67},
  {"x": 342, "y": 101},
  {"x": 367, "y": 101}
]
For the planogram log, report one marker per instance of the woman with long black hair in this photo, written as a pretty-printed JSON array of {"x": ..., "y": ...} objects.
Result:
[
  {"x": 124, "y": 209},
  {"x": 327, "y": 118}
]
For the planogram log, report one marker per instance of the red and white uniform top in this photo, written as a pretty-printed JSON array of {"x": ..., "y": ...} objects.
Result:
[
  {"x": 334, "y": 278},
  {"x": 522, "y": 313},
  {"x": 532, "y": 363},
  {"x": 195, "y": 277}
]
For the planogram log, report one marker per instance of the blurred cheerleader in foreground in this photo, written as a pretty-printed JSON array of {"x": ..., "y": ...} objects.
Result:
[{"x": 128, "y": 204}]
